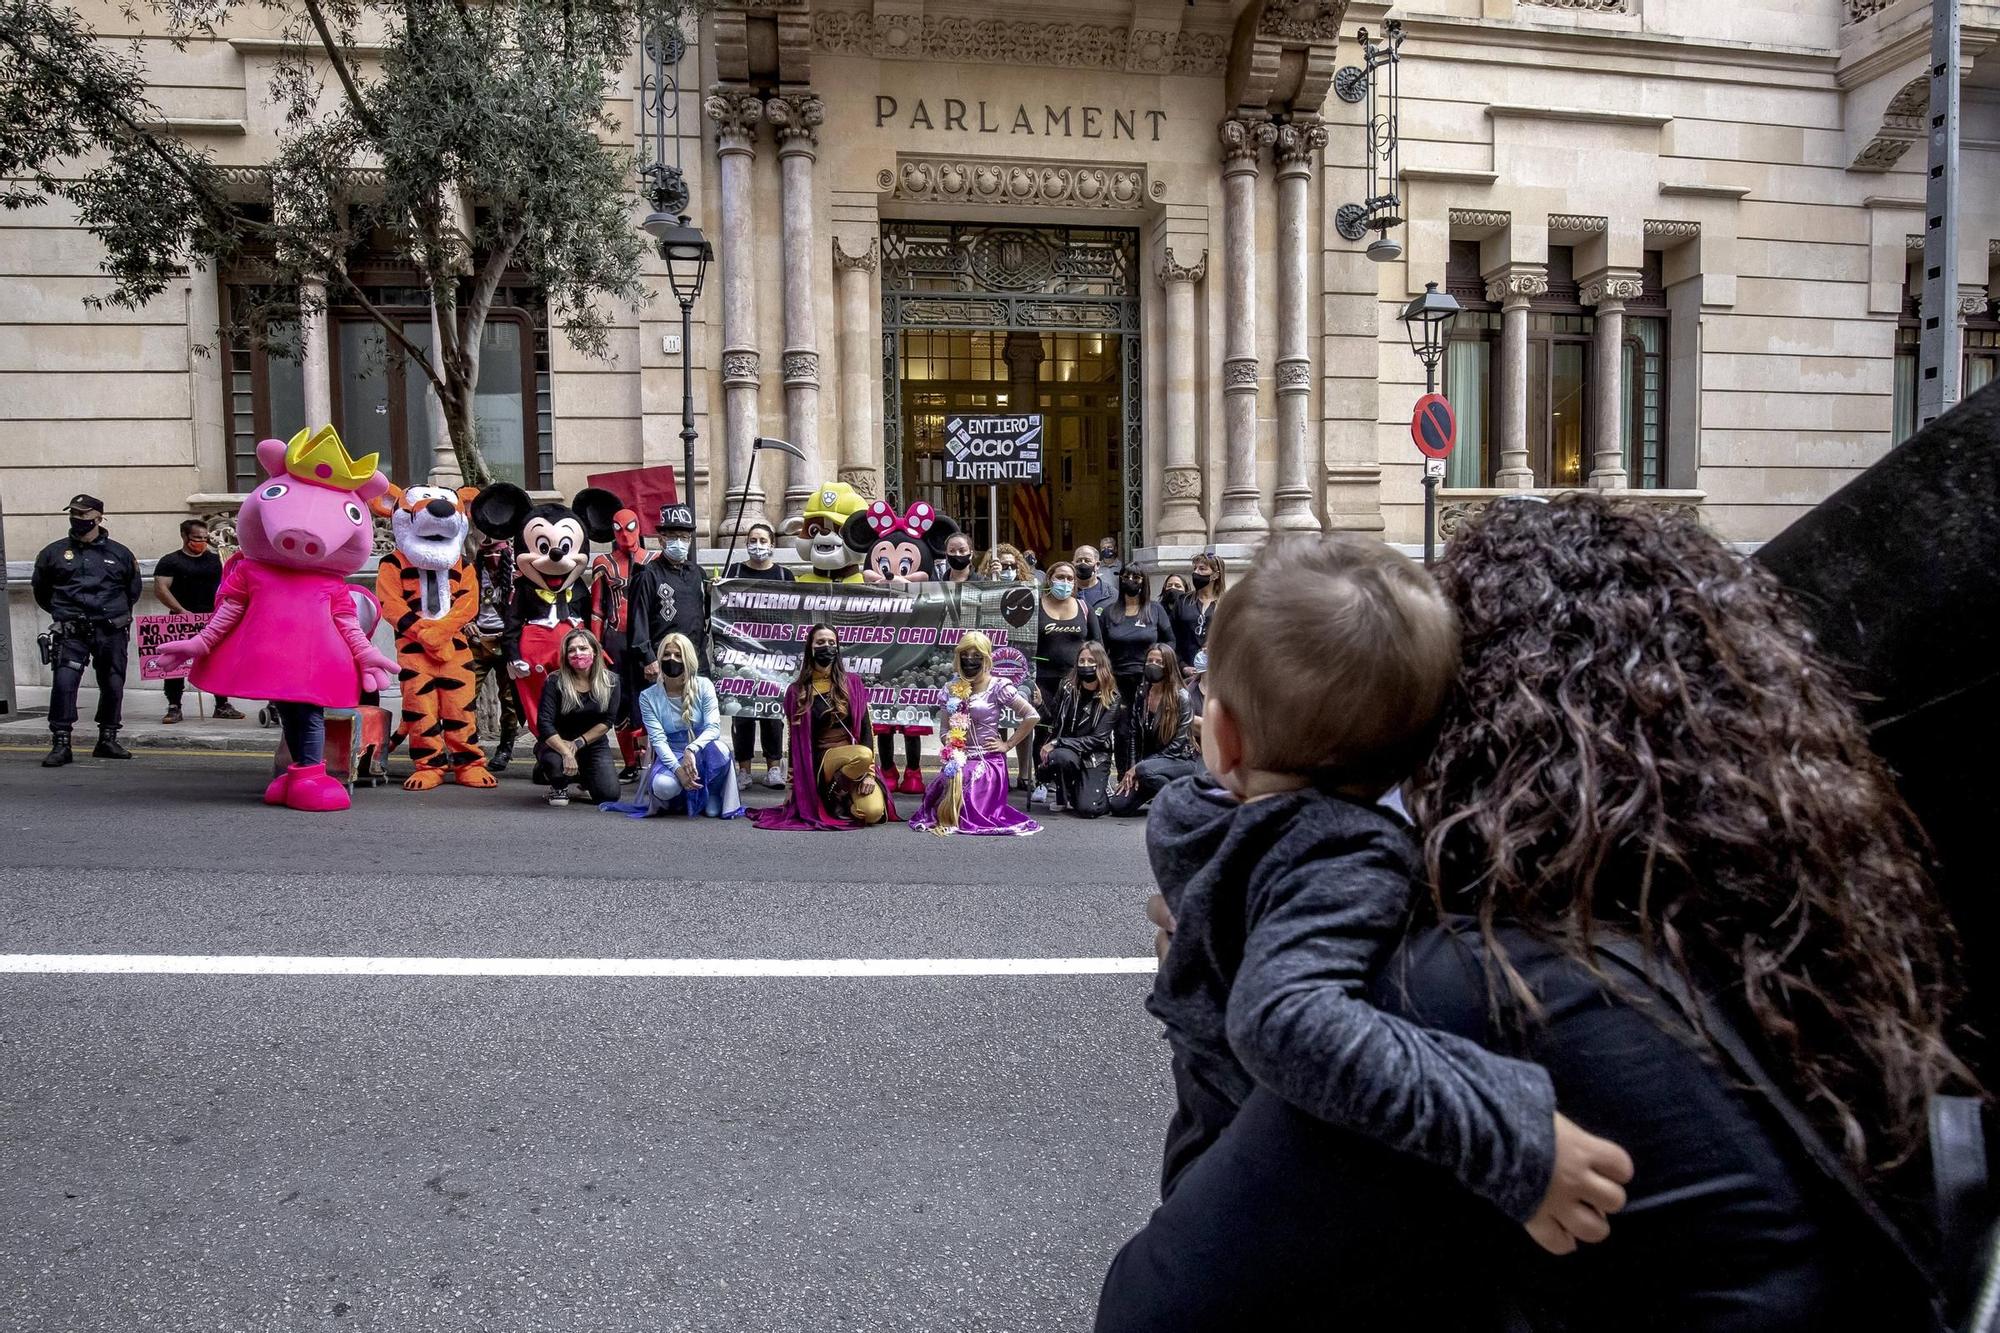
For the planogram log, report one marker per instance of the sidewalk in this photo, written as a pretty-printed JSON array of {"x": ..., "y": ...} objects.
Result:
[{"x": 142, "y": 727}]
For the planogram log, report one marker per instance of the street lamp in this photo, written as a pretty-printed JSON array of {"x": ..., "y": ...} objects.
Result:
[
  {"x": 681, "y": 244},
  {"x": 1427, "y": 322},
  {"x": 1379, "y": 211}
]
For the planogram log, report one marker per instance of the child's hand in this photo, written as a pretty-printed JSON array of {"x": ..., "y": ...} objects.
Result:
[
  {"x": 1588, "y": 1183},
  {"x": 1162, "y": 918}
]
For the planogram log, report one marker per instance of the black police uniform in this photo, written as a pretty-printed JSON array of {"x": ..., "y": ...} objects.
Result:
[{"x": 89, "y": 590}]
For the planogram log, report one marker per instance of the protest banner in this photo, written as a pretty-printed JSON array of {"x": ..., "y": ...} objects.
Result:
[
  {"x": 152, "y": 631},
  {"x": 898, "y": 638}
]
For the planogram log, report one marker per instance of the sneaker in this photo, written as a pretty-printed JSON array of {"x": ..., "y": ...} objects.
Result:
[
  {"x": 630, "y": 773},
  {"x": 1039, "y": 796},
  {"x": 223, "y": 712},
  {"x": 774, "y": 775},
  {"x": 173, "y": 715},
  {"x": 558, "y": 796},
  {"x": 1056, "y": 803}
]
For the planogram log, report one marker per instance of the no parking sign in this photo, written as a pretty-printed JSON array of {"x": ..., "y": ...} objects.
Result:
[{"x": 1434, "y": 426}]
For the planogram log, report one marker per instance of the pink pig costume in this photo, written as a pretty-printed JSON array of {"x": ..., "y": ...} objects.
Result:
[{"x": 284, "y": 626}]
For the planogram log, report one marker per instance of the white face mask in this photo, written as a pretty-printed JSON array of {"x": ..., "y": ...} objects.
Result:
[
  {"x": 677, "y": 548},
  {"x": 1009, "y": 575},
  {"x": 759, "y": 552}
]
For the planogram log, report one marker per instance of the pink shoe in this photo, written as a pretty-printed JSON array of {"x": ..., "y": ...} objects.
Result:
[
  {"x": 280, "y": 785},
  {"x": 912, "y": 783},
  {"x": 312, "y": 790}
]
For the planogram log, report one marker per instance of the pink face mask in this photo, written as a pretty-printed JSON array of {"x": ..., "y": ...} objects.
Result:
[{"x": 581, "y": 659}]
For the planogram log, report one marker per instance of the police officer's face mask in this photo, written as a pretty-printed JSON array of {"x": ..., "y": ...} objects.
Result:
[{"x": 80, "y": 526}]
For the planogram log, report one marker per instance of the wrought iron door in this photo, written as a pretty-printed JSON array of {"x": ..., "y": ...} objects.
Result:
[{"x": 1004, "y": 278}]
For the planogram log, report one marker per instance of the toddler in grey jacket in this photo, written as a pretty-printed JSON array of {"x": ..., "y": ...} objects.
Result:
[{"x": 1283, "y": 882}]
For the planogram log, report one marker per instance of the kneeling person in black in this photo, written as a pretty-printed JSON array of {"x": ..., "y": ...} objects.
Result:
[
  {"x": 1077, "y": 758},
  {"x": 579, "y": 709},
  {"x": 1163, "y": 743}
]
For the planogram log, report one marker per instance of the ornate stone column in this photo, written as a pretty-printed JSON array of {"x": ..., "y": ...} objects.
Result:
[
  {"x": 1513, "y": 288},
  {"x": 1242, "y": 516},
  {"x": 1181, "y": 521},
  {"x": 315, "y": 358},
  {"x": 1293, "y": 510},
  {"x": 736, "y": 112},
  {"x": 1609, "y": 291},
  {"x": 859, "y": 466},
  {"x": 797, "y": 117}
]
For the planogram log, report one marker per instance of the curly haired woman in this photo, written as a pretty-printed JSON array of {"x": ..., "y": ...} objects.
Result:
[{"x": 1643, "y": 747}]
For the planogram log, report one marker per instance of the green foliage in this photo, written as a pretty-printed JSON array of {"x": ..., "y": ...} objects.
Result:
[{"x": 473, "y": 135}]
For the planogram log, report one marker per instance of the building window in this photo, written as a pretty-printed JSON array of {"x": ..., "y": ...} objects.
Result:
[
  {"x": 1561, "y": 388},
  {"x": 1979, "y": 367},
  {"x": 381, "y": 401},
  {"x": 267, "y": 395}
]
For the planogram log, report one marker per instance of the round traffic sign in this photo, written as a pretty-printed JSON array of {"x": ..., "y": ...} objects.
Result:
[{"x": 1434, "y": 426}]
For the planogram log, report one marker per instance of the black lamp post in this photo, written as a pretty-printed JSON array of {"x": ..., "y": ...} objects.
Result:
[
  {"x": 1427, "y": 321},
  {"x": 680, "y": 242}
]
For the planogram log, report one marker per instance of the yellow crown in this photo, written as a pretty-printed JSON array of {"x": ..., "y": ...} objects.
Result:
[{"x": 320, "y": 458}]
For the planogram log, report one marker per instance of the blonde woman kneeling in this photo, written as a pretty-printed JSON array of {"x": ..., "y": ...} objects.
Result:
[{"x": 692, "y": 771}]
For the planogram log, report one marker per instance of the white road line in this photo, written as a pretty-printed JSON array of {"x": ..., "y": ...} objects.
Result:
[{"x": 310, "y": 966}]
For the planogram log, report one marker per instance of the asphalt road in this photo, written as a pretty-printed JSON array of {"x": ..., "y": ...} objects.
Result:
[{"x": 445, "y": 1153}]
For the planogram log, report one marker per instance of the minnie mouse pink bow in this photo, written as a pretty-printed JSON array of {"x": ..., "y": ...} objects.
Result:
[{"x": 917, "y": 520}]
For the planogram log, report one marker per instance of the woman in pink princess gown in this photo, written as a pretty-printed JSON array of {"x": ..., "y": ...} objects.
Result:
[{"x": 969, "y": 793}]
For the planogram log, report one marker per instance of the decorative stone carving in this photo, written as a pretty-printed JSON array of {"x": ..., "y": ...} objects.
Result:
[
  {"x": 1972, "y": 301},
  {"x": 1880, "y": 154},
  {"x": 1302, "y": 20},
  {"x": 1858, "y": 10},
  {"x": 796, "y": 117},
  {"x": 1610, "y": 287},
  {"x": 1517, "y": 286},
  {"x": 1453, "y": 518},
  {"x": 1575, "y": 222},
  {"x": 1902, "y": 125},
  {"x": 736, "y": 113},
  {"x": 862, "y": 479},
  {"x": 1006, "y": 41},
  {"x": 1295, "y": 376},
  {"x": 1295, "y": 144},
  {"x": 801, "y": 367},
  {"x": 1914, "y": 244},
  {"x": 1239, "y": 376},
  {"x": 865, "y": 261},
  {"x": 1672, "y": 230},
  {"x": 1183, "y": 483},
  {"x": 1587, "y": 6},
  {"x": 1173, "y": 271},
  {"x": 741, "y": 368},
  {"x": 1476, "y": 219},
  {"x": 945, "y": 180},
  {"x": 1244, "y": 137}
]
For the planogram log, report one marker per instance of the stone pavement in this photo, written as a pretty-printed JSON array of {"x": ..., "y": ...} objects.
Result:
[{"x": 143, "y": 709}]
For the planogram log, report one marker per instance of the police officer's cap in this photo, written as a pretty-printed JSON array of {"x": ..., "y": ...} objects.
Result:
[{"x": 86, "y": 504}]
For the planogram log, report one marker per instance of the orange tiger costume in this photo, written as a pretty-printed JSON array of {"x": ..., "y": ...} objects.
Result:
[{"x": 430, "y": 593}]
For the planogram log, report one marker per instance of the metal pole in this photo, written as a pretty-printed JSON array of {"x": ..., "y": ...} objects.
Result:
[
  {"x": 1430, "y": 478},
  {"x": 687, "y": 408},
  {"x": 7, "y": 708},
  {"x": 1938, "y": 345},
  {"x": 993, "y": 515}
]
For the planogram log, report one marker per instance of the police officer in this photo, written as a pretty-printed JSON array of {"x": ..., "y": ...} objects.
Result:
[{"x": 88, "y": 584}]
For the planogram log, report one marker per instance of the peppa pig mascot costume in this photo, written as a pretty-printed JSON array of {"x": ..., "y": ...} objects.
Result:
[{"x": 284, "y": 626}]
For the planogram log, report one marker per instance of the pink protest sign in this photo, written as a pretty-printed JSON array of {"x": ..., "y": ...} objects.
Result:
[{"x": 152, "y": 631}]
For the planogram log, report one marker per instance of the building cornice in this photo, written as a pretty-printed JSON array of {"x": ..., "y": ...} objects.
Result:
[
  {"x": 1583, "y": 114},
  {"x": 1450, "y": 175},
  {"x": 1692, "y": 190},
  {"x": 273, "y": 46},
  {"x": 197, "y": 125},
  {"x": 1542, "y": 42}
]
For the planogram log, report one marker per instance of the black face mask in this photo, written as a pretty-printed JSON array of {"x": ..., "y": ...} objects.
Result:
[
  {"x": 958, "y": 561},
  {"x": 1202, "y": 581},
  {"x": 80, "y": 527},
  {"x": 969, "y": 663},
  {"x": 823, "y": 655},
  {"x": 1086, "y": 571},
  {"x": 1131, "y": 587},
  {"x": 1088, "y": 675},
  {"x": 1155, "y": 673},
  {"x": 672, "y": 668}
]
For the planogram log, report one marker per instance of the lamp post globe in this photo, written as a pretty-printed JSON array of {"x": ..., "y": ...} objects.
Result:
[
  {"x": 1427, "y": 321},
  {"x": 687, "y": 253}
]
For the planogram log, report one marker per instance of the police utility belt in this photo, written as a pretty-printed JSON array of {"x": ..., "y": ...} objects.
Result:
[{"x": 46, "y": 641}]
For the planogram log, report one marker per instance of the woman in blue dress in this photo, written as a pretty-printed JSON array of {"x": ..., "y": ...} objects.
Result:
[{"x": 691, "y": 771}]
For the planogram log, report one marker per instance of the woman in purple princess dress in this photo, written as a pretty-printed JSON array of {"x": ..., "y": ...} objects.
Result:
[{"x": 969, "y": 793}]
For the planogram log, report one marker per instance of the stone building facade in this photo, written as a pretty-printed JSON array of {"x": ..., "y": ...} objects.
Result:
[{"x": 1682, "y": 231}]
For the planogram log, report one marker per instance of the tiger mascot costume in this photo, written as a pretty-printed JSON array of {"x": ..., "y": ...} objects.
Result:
[{"x": 430, "y": 593}]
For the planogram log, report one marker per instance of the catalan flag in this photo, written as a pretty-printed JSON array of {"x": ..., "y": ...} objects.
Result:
[{"x": 1028, "y": 506}]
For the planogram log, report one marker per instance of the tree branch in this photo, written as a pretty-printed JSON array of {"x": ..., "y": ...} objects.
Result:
[
  {"x": 338, "y": 59},
  {"x": 481, "y": 304}
]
